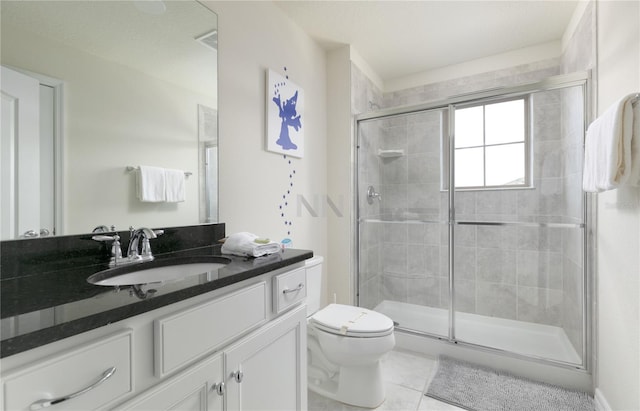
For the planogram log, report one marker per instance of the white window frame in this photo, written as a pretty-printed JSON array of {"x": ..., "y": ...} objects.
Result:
[{"x": 528, "y": 152}]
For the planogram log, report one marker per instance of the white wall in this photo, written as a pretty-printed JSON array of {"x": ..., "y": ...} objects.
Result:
[
  {"x": 254, "y": 37},
  {"x": 618, "y": 238},
  {"x": 339, "y": 177}
]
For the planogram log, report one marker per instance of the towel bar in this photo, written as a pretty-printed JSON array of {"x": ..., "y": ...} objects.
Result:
[{"x": 136, "y": 168}]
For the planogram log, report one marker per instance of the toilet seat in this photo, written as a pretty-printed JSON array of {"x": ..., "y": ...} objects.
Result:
[{"x": 350, "y": 321}]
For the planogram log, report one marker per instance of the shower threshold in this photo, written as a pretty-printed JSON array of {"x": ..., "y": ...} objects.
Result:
[{"x": 531, "y": 339}]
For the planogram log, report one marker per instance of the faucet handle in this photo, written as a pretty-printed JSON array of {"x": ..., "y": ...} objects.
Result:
[
  {"x": 105, "y": 237},
  {"x": 116, "y": 251}
]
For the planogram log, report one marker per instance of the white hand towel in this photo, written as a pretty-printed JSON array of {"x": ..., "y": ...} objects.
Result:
[
  {"x": 634, "y": 175},
  {"x": 608, "y": 157},
  {"x": 174, "y": 185},
  {"x": 244, "y": 244},
  {"x": 151, "y": 184}
]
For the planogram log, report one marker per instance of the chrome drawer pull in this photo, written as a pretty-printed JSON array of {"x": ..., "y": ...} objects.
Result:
[
  {"x": 47, "y": 403},
  {"x": 293, "y": 290}
]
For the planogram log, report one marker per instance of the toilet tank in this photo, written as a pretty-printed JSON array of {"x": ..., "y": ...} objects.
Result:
[{"x": 313, "y": 267}]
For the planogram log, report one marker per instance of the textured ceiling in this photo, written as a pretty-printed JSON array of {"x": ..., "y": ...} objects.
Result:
[{"x": 400, "y": 38}]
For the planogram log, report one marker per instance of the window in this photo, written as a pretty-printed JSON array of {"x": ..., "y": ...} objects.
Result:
[{"x": 491, "y": 145}]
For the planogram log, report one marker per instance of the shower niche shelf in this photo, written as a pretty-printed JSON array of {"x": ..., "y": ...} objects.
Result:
[{"x": 390, "y": 153}]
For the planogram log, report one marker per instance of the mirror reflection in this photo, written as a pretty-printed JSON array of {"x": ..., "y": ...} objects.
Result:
[{"x": 92, "y": 88}]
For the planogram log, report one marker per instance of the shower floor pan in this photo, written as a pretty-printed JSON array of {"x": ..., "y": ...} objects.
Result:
[{"x": 537, "y": 340}]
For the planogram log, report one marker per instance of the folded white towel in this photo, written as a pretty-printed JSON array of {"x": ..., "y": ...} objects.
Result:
[
  {"x": 244, "y": 244},
  {"x": 174, "y": 184},
  {"x": 634, "y": 176},
  {"x": 608, "y": 157},
  {"x": 151, "y": 184}
]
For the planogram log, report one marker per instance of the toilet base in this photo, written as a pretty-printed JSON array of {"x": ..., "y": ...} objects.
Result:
[{"x": 361, "y": 386}]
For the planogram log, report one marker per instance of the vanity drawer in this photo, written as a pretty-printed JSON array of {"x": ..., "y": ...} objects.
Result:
[
  {"x": 184, "y": 336},
  {"x": 72, "y": 372},
  {"x": 289, "y": 289}
]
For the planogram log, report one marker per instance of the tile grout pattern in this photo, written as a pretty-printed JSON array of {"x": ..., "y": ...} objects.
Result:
[{"x": 406, "y": 375}]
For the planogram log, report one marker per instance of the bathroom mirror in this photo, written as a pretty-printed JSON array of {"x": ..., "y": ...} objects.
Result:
[{"x": 118, "y": 84}]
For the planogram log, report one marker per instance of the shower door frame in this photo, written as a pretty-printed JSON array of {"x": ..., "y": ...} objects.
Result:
[{"x": 581, "y": 79}]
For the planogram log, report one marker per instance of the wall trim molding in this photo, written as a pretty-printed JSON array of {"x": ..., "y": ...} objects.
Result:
[{"x": 600, "y": 401}]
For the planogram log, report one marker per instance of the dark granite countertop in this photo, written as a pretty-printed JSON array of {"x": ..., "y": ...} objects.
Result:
[{"x": 41, "y": 308}]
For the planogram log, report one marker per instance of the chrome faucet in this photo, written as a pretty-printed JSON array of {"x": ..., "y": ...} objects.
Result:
[{"x": 133, "y": 256}]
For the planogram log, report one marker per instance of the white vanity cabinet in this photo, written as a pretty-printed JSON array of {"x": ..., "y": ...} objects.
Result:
[
  {"x": 259, "y": 372},
  {"x": 197, "y": 389},
  {"x": 242, "y": 347},
  {"x": 267, "y": 370}
]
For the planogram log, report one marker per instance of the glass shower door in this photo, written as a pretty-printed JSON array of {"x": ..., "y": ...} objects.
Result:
[
  {"x": 499, "y": 261},
  {"x": 519, "y": 237},
  {"x": 403, "y": 220}
]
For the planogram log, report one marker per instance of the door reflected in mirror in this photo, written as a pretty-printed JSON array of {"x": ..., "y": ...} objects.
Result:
[{"x": 119, "y": 86}]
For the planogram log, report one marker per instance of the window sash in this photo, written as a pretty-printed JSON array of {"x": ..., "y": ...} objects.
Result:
[{"x": 527, "y": 183}]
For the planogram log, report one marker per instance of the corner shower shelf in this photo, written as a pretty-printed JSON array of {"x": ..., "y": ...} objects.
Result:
[{"x": 390, "y": 153}]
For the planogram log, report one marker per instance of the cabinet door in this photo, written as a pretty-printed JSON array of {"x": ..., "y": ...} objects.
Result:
[
  {"x": 268, "y": 369},
  {"x": 193, "y": 390}
]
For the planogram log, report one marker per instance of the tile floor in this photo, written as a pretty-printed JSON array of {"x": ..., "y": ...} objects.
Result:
[{"x": 406, "y": 375}]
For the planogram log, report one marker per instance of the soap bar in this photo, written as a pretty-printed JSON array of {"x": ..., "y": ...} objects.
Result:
[{"x": 261, "y": 240}]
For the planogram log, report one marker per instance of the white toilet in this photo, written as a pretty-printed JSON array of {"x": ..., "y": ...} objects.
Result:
[{"x": 345, "y": 346}]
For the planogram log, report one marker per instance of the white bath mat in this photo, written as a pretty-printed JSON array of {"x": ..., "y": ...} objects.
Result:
[{"x": 477, "y": 388}]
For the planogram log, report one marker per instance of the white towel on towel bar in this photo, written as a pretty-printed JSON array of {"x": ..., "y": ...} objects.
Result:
[
  {"x": 612, "y": 153},
  {"x": 160, "y": 185},
  {"x": 151, "y": 184},
  {"x": 174, "y": 184}
]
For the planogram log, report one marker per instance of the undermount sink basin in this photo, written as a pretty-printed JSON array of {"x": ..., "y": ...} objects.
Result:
[{"x": 158, "y": 271}]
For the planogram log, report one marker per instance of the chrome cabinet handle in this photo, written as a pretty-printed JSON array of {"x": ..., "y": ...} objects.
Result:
[
  {"x": 238, "y": 376},
  {"x": 219, "y": 388},
  {"x": 38, "y": 405},
  {"x": 293, "y": 290}
]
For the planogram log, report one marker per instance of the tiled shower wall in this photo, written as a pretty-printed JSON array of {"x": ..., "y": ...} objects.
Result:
[
  {"x": 510, "y": 272},
  {"x": 518, "y": 272}
]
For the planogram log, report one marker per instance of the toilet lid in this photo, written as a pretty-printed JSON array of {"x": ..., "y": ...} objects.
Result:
[{"x": 352, "y": 321}]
